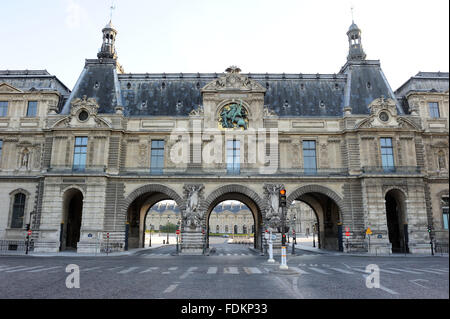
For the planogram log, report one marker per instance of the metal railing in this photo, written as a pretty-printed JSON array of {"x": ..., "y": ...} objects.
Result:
[
  {"x": 63, "y": 169},
  {"x": 441, "y": 248},
  {"x": 391, "y": 170},
  {"x": 15, "y": 246},
  {"x": 250, "y": 172}
]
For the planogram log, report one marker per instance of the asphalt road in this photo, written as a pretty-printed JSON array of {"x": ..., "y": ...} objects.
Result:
[{"x": 231, "y": 272}]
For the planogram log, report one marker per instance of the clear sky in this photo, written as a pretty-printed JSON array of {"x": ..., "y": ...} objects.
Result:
[{"x": 172, "y": 36}]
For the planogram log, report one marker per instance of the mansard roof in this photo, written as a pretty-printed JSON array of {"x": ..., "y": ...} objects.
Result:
[
  {"x": 39, "y": 80},
  {"x": 177, "y": 94},
  {"x": 425, "y": 82}
]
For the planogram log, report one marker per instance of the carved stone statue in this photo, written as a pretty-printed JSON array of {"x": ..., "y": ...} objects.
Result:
[
  {"x": 193, "y": 217},
  {"x": 25, "y": 158},
  {"x": 273, "y": 211}
]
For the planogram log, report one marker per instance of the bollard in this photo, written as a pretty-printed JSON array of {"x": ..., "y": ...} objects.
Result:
[{"x": 283, "y": 264}]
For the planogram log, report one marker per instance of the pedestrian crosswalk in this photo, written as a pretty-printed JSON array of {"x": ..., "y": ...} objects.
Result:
[
  {"x": 158, "y": 255},
  {"x": 232, "y": 270}
]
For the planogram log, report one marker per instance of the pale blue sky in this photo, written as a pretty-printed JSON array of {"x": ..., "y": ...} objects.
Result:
[{"x": 259, "y": 36}]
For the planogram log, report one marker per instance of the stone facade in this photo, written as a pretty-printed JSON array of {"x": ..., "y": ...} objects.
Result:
[{"x": 100, "y": 156}]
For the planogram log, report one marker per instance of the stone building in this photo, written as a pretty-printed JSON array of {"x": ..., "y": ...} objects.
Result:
[{"x": 91, "y": 163}]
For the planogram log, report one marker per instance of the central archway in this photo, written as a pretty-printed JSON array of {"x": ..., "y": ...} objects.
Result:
[
  {"x": 137, "y": 205},
  {"x": 236, "y": 193}
]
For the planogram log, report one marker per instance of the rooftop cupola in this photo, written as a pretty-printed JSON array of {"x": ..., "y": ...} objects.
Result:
[
  {"x": 109, "y": 37},
  {"x": 356, "y": 51}
]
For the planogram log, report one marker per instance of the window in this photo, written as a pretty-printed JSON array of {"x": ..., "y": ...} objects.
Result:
[
  {"x": 226, "y": 228},
  {"x": 387, "y": 154},
  {"x": 309, "y": 157},
  {"x": 444, "y": 204},
  {"x": 434, "y": 110},
  {"x": 217, "y": 229},
  {"x": 79, "y": 156},
  {"x": 18, "y": 210},
  {"x": 3, "y": 108},
  {"x": 32, "y": 109},
  {"x": 157, "y": 157},
  {"x": 233, "y": 157}
]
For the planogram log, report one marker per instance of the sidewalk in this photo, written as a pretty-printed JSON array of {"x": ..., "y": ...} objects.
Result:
[{"x": 361, "y": 254}]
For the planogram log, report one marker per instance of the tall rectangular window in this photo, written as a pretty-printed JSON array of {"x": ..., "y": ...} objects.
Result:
[
  {"x": 233, "y": 157},
  {"x": 387, "y": 154},
  {"x": 18, "y": 210},
  {"x": 157, "y": 157},
  {"x": 444, "y": 203},
  {"x": 3, "y": 108},
  {"x": 309, "y": 157},
  {"x": 434, "y": 110},
  {"x": 79, "y": 155},
  {"x": 32, "y": 109}
]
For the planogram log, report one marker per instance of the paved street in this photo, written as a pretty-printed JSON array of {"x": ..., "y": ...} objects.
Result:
[{"x": 232, "y": 272}]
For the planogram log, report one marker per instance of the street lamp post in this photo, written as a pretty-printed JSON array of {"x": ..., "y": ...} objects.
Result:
[
  {"x": 167, "y": 230},
  {"x": 294, "y": 237}
]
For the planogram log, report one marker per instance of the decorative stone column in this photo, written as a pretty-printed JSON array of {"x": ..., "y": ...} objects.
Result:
[{"x": 193, "y": 222}]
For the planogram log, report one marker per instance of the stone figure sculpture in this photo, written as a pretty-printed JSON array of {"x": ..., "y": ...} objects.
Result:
[
  {"x": 193, "y": 217},
  {"x": 233, "y": 116},
  {"x": 273, "y": 211}
]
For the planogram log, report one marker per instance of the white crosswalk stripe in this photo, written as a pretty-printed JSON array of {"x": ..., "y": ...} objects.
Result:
[
  {"x": 429, "y": 271},
  {"x": 321, "y": 271},
  {"x": 212, "y": 270},
  {"x": 231, "y": 270},
  {"x": 343, "y": 271},
  {"x": 252, "y": 270},
  {"x": 10, "y": 268},
  {"x": 89, "y": 269},
  {"x": 24, "y": 269},
  {"x": 44, "y": 269},
  {"x": 407, "y": 271},
  {"x": 149, "y": 270},
  {"x": 443, "y": 271},
  {"x": 126, "y": 271}
]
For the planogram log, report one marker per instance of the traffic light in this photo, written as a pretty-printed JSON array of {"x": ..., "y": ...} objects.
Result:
[
  {"x": 430, "y": 228},
  {"x": 282, "y": 197},
  {"x": 283, "y": 239},
  {"x": 28, "y": 227}
]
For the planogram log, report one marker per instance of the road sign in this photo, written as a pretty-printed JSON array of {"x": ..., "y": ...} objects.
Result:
[
  {"x": 368, "y": 231},
  {"x": 107, "y": 235},
  {"x": 89, "y": 235},
  {"x": 274, "y": 237},
  {"x": 178, "y": 231},
  {"x": 29, "y": 233},
  {"x": 347, "y": 229},
  {"x": 347, "y": 234}
]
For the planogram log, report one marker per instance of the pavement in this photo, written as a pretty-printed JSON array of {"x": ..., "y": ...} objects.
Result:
[{"x": 233, "y": 271}]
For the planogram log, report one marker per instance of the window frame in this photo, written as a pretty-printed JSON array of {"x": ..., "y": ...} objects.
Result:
[
  {"x": 4, "y": 107},
  {"x": 387, "y": 158},
  {"x": 433, "y": 111},
  {"x": 444, "y": 211},
  {"x": 306, "y": 148},
  {"x": 35, "y": 109},
  {"x": 233, "y": 154},
  {"x": 157, "y": 149},
  {"x": 79, "y": 155},
  {"x": 12, "y": 205}
]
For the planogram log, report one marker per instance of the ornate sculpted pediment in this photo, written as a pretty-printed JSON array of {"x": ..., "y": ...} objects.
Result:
[
  {"x": 383, "y": 112},
  {"x": 89, "y": 104},
  {"x": 234, "y": 81},
  {"x": 6, "y": 88},
  {"x": 83, "y": 113}
]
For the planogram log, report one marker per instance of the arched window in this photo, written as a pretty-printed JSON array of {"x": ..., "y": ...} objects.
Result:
[
  {"x": 444, "y": 205},
  {"x": 244, "y": 229},
  {"x": 217, "y": 229},
  {"x": 226, "y": 228},
  {"x": 235, "y": 229},
  {"x": 18, "y": 210}
]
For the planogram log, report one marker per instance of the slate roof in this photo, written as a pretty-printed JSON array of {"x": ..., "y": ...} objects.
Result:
[
  {"x": 35, "y": 80},
  {"x": 177, "y": 94}
]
